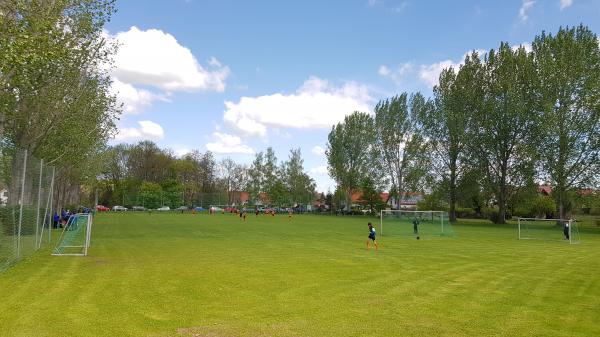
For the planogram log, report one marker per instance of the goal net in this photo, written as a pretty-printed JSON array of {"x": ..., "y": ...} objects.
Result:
[
  {"x": 415, "y": 223},
  {"x": 548, "y": 229},
  {"x": 75, "y": 236}
]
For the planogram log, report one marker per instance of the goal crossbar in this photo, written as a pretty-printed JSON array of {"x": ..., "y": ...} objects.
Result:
[
  {"x": 76, "y": 235},
  {"x": 568, "y": 225},
  {"x": 441, "y": 215}
]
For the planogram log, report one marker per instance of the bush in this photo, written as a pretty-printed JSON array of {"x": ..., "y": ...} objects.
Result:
[
  {"x": 9, "y": 217},
  {"x": 543, "y": 206},
  {"x": 595, "y": 210},
  {"x": 465, "y": 212},
  {"x": 492, "y": 214}
]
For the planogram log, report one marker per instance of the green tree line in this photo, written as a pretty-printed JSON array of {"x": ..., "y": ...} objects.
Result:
[
  {"x": 145, "y": 175},
  {"x": 55, "y": 98},
  {"x": 496, "y": 127}
]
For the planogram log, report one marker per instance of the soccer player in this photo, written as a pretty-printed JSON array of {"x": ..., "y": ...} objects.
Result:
[
  {"x": 566, "y": 230},
  {"x": 372, "y": 236},
  {"x": 416, "y": 226},
  {"x": 290, "y": 214},
  {"x": 256, "y": 211},
  {"x": 244, "y": 214}
]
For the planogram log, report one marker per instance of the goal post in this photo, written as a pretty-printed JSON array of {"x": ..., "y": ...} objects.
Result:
[
  {"x": 548, "y": 229},
  {"x": 75, "y": 237},
  {"x": 414, "y": 223}
]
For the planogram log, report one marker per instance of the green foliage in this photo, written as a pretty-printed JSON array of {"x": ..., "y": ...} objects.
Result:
[
  {"x": 350, "y": 152},
  {"x": 568, "y": 65},
  {"x": 401, "y": 150},
  {"x": 446, "y": 122},
  {"x": 466, "y": 213},
  {"x": 492, "y": 214},
  {"x": 151, "y": 194},
  {"x": 371, "y": 197},
  {"x": 536, "y": 207},
  {"x": 432, "y": 202},
  {"x": 505, "y": 131}
]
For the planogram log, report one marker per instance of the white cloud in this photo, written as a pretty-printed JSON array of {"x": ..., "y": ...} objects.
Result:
[
  {"x": 319, "y": 170},
  {"x": 228, "y": 144},
  {"x": 430, "y": 73},
  {"x": 384, "y": 71},
  {"x": 565, "y": 3},
  {"x": 397, "y": 75},
  {"x": 526, "y": 45},
  {"x": 147, "y": 130},
  {"x": 372, "y": 3},
  {"x": 182, "y": 152},
  {"x": 318, "y": 150},
  {"x": 155, "y": 58},
  {"x": 317, "y": 104},
  {"x": 524, "y": 10},
  {"x": 134, "y": 100}
]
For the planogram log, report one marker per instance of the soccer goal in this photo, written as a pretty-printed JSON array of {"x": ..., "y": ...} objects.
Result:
[
  {"x": 414, "y": 223},
  {"x": 548, "y": 229},
  {"x": 75, "y": 238}
]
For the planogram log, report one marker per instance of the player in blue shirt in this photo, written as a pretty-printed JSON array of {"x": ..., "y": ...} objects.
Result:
[{"x": 372, "y": 237}]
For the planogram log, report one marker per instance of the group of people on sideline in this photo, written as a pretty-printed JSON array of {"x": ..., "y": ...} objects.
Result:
[{"x": 61, "y": 220}]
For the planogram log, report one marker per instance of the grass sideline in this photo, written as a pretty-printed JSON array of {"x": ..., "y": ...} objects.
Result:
[{"x": 170, "y": 275}]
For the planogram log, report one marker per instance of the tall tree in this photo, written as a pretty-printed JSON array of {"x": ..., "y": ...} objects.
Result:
[
  {"x": 272, "y": 181},
  {"x": 445, "y": 123},
  {"x": 350, "y": 152},
  {"x": 256, "y": 178},
  {"x": 54, "y": 89},
  {"x": 505, "y": 129},
  {"x": 569, "y": 72},
  {"x": 299, "y": 185},
  {"x": 401, "y": 147}
]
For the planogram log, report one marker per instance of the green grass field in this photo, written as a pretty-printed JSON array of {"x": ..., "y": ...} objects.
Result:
[{"x": 187, "y": 275}]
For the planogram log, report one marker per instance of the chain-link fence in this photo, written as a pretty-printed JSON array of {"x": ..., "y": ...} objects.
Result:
[{"x": 26, "y": 192}]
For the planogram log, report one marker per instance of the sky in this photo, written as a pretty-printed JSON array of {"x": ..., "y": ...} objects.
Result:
[{"x": 236, "y": 77}]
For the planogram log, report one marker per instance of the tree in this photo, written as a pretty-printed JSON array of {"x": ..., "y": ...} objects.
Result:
[
  {"x": 505, "y": 129},
  {"x": 299, "y": 185},
  {"x": 55, "y": 95},
  {"x": 371, "y": 196},
  {"x": 273, "y": 187},
  {"x": 256, "y": 177},
  {"x": 151, "y": 194},
  {"x": 568, "y": 66},
  {"x": 401, "y": 147},
  {"x": 444, "y": 123},
  {"x": 350, "y": 152},
  {"x": 234, "y": 179}
]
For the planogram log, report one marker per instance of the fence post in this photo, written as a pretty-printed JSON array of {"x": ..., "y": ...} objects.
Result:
[
  {"x": 21, "y": 205},
  {"x": 37, "y": 213},
  {"x": 51, "y": 205}
]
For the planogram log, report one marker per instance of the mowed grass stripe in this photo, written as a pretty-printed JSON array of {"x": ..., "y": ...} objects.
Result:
[{"x": 200, "y": 275}]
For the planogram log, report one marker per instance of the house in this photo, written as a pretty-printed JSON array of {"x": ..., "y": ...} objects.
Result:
[
  {"x": 409, "y": 200},
  {"x": 545, "y": 190}
]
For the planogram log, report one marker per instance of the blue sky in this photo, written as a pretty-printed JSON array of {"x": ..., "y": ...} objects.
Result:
[{"x": 235, "y": 77}]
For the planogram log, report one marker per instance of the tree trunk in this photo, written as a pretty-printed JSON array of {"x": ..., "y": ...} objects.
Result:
[{"x": 453, "y": 193}]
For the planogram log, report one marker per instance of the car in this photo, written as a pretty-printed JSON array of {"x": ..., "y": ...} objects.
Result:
[
  {"x": 138, "y": 208},
  {"x": 118, "y": 208},
  {"x": 182, "y": 208},
  {"x": 101, "y": 208},
  {"x": 164, "y": 208}
]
